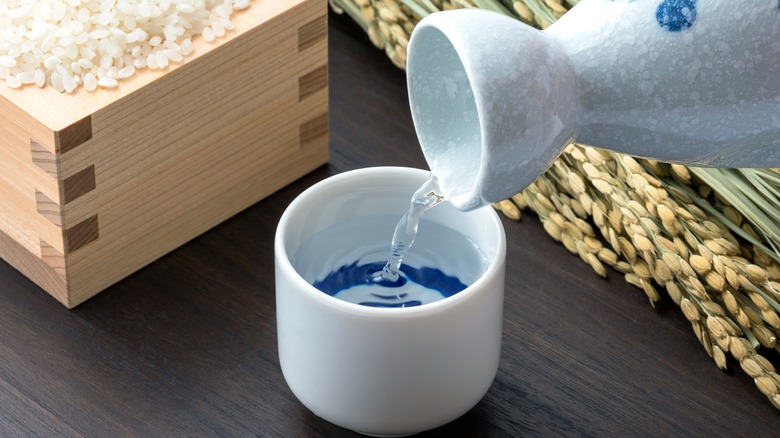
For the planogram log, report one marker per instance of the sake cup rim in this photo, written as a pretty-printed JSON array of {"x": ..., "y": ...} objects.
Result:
[{"x": 282, "y": 258}]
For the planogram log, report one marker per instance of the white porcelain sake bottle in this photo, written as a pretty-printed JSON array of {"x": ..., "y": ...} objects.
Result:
[{"x": 495, "y": 101}]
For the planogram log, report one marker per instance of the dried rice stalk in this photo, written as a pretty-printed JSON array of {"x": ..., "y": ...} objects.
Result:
[
  {"x": 708, "y": 237},
  {"x": 725, "y": 284}
]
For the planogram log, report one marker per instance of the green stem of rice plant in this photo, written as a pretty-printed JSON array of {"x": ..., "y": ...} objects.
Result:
[
  {"x": 703, "y": 204},
  {"x": 494, "y": 6},
  {"x": 743, "y": 197},
  {"x": 421, "y": 8},
  {"x": 540, "y": 11}
]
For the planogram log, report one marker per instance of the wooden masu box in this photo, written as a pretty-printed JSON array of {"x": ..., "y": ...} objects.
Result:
[{"x": 94, "y": 186}]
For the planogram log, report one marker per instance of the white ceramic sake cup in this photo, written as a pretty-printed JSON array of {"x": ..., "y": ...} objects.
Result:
[{"x": 386, "y": 371}]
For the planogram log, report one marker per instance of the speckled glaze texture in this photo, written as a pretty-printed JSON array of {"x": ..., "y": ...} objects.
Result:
[
  {"x": 495, "y": 101},
  {"x": 485, "y": 92}
]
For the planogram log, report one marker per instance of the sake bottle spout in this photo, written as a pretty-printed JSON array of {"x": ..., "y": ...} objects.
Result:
[{"x": 494, "y": 102}]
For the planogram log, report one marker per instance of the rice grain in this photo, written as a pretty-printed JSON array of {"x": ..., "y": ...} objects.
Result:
[{"x": 69, "y": 45}]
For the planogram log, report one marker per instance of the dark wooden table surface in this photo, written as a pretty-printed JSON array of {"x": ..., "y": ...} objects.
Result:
[{"x": 187, "y": 346}]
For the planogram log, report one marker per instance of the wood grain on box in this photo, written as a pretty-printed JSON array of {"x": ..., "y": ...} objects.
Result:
[
  {"x": 312, "y": 131},
  {"x": 93, "y": 186}
]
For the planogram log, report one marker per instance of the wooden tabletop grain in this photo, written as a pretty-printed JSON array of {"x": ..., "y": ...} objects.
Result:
[{"x": 187, "y": 346}]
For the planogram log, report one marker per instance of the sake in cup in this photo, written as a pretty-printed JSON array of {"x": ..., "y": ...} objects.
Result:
[{"x": 384, "y": 371}]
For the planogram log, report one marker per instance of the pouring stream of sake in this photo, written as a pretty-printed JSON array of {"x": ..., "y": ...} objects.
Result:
[{"x": 405, "y": 232}]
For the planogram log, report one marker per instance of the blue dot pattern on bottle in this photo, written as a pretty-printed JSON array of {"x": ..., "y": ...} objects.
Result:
[
  {"x": 354, "y": 274},
  {"x": 676, "y": 15}
]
